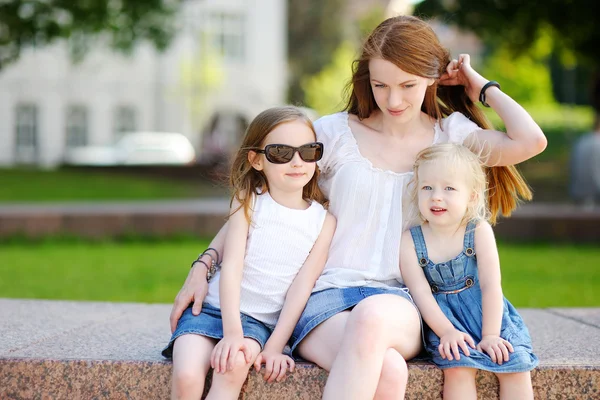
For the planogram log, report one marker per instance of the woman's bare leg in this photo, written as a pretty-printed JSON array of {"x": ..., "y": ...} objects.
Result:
[{"x": 380, "y": 323}]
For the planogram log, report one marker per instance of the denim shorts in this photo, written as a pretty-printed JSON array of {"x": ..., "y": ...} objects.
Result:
[
  {"x": 210, "y": 324},
  {"x": 325, "y": 304}
]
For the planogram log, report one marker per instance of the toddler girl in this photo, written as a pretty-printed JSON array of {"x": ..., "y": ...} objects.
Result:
[{"x": 450, "y": 264}]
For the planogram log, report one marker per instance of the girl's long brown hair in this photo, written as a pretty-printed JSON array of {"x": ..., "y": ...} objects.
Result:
[
  {"x": 412, "y": 45},
  {"x": 245, "y": 180}
]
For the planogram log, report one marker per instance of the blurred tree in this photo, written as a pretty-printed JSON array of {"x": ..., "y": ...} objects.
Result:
[
  {"x": 525, "y": 76},
  {"x": 315, "y": 30},
  {"x": 324, "y": 90},
  {"x": 33, "y": 23},
  {"x": 517, "y": 24},
  {"x": 574, "y": 23}
]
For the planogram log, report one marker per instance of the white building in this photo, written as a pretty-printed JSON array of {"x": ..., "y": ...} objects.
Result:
[{"x": 229, "y": 59}]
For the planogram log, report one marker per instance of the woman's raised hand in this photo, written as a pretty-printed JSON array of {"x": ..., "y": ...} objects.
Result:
[{"x": 460, "y": 72}]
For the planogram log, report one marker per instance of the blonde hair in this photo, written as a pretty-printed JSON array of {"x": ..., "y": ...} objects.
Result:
[
  {"x": 454, "y": 156},
  {"x": 245, "y": 180},
  {"x": 411, "y": 44}
]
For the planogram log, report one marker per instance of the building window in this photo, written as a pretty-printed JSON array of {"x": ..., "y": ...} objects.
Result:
[
  {"x": 226, "y": 30},
  {"x": 125, "y": 120},
  {"x": 77, "y": 126},
  {"x": 26, "y": 130}
]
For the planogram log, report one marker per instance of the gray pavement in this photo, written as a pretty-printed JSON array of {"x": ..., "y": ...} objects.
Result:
[{"x": 66, "y": 330}]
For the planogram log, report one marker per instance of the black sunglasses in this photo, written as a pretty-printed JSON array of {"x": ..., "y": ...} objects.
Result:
[{"x": 282, "y": 153}]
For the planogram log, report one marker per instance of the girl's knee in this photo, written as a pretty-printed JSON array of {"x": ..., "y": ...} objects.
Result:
[
  {"x": 515, "y": 378},
  {"x": 237, "y": 375},
  {"x": 187, "y": 383},
  {"x": 240, "y": 365},
  {"x": 459, "y": 373}
]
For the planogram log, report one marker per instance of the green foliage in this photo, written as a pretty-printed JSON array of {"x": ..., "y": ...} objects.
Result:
[
  {"x": 532, "y": 275},
  {"x": 324, "y": 90},
  {"x": 370, "y": 20},
  {"x": 525, "y": 76},
  {"x": 573, "y": 23},
  {"x": 35, "y": 23},
  {"x": 315, "y": 30}
]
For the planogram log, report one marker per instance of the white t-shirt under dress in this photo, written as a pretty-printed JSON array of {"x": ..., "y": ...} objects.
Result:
[{"x": 367, "y": 202}]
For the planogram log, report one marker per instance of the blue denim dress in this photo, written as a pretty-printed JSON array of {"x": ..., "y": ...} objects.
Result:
[{"x": 455, "y": 287}]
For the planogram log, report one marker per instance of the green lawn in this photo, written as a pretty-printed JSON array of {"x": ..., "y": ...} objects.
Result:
[
  {"x": 533, "y": 275},
  {"x": 32, "y": 185}
]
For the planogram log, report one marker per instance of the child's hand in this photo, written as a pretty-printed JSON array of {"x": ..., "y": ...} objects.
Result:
[
  {"x": 276, "y": 365},
  {"x": 225, "y": 352},
  {"x": 496, "y": 347},
  {"x": 450, "y": 342}
]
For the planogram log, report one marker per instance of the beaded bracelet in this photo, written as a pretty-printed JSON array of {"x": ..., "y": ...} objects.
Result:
[{"x": 214, "y": 264}]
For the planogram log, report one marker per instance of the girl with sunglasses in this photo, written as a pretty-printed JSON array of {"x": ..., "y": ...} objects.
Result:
[
  {"x": 406, "y": 93},
  {"x": 275, "y": 248}
]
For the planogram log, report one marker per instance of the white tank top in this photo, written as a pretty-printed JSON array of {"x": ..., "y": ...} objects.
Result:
[{"x": 279, "y": 241}]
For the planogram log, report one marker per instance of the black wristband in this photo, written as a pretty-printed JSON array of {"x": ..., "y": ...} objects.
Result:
[{"x": 484, "y": 88}]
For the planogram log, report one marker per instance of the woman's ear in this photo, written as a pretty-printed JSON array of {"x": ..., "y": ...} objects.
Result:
[
  {"x": 255, "y": 160},
  {"x": 430, "y": 81}
]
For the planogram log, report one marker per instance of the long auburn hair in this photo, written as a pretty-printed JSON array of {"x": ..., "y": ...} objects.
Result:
[
  {"x": 411, "y": 44},
  {"x": 246, "y": 181}
]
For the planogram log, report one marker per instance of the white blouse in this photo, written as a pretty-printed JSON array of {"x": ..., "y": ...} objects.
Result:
[{"x": 367, "y": 202}]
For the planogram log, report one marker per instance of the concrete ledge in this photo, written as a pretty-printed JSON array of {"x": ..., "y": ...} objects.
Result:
[
  {"x": 551, "y": 222},
  {"x": 85, "y": 350}
]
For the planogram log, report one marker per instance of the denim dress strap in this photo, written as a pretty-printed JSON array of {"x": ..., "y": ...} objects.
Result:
[
  {"x": 469, "y": 241},
  {"x": 420, "y": 247}
]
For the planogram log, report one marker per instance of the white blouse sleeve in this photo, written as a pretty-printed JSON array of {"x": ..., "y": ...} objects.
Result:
[
  {"x": 328, "y": 132},
  {"x": 457, "y": 127}
]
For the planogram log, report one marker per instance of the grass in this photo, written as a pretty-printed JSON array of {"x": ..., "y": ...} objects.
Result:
[
  {"x": 544, "y": 275},
  {"x": 33, "y": 185}
]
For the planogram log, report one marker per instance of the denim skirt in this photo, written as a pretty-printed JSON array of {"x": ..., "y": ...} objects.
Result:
[
  {"x": 325, "y": 304},
  {"x": 210, "y": 324}
]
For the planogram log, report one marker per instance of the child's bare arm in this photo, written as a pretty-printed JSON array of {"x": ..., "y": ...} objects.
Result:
[
  {"x": 301, "y": 288},
  {"x": 298, "y": 295},
  {"x": 488, "y": 265},
  {"x": 414, "y": 278},
  {"x": 229, "y": 293}
]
